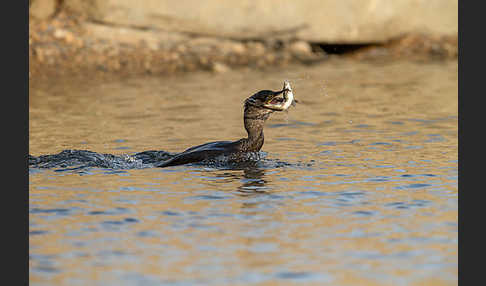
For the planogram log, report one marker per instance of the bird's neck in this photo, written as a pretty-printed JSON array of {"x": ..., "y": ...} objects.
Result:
[{"x": 254, "y": 128}]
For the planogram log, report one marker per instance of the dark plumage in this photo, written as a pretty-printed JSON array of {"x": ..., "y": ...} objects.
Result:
[{"x": 257, "y": 109}]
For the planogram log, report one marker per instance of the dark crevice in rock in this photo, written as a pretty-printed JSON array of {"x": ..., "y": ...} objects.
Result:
[{"x": 339, "y": 49}]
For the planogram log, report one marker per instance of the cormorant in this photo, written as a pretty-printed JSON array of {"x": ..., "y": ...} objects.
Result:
[{"x": 257, "y": 109}]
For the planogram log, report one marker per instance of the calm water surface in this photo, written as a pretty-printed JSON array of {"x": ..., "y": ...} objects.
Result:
[{"x": 358, "y": 184}]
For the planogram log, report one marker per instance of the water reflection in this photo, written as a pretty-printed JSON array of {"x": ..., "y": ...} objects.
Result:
[
  {"x": 357, "y": 186},
  {"x": 253, "y": 182}
]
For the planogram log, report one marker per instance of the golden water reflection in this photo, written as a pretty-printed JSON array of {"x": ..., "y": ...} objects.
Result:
[{"x": 358, "y": 185}]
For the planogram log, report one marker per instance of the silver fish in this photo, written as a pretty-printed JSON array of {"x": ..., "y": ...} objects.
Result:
[{"x": 282, "y": 104}]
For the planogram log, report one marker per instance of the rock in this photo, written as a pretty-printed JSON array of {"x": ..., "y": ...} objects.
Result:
[
  {"x": 67, "y": 36},
  {"x": 203, "y": 60},
  {"x": 59, "y": 33},
  {"x": 255, "y": 48},
  {"x": 218, "y": 67},
  {"x": 300, "y": 48},
  {"x": 302, "y": 51},
  {"x": 324, "y": 21},
  {"x": 270, "y": 58},
  {"x": 238, "y": 48},
  {"x": 42, "y": 9}
]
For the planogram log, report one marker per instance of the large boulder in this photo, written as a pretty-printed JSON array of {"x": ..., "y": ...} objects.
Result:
[{"x": 325, "y": 21}]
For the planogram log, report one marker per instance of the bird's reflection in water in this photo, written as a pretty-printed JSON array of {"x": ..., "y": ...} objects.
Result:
[
  {"x": 250, "y": 175},
  {"x": 253, "y": 182}
]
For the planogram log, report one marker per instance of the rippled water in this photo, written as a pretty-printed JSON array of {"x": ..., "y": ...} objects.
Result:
[{"x": 357, "y": 185}]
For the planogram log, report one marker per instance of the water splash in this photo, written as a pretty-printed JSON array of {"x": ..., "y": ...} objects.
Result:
[{"x": 79, "y": 160}]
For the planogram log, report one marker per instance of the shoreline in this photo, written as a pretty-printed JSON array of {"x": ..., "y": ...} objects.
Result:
[{"x": 71, "y": 45}]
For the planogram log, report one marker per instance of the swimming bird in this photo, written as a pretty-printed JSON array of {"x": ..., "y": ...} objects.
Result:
[{"x": 257, "y": 109}]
